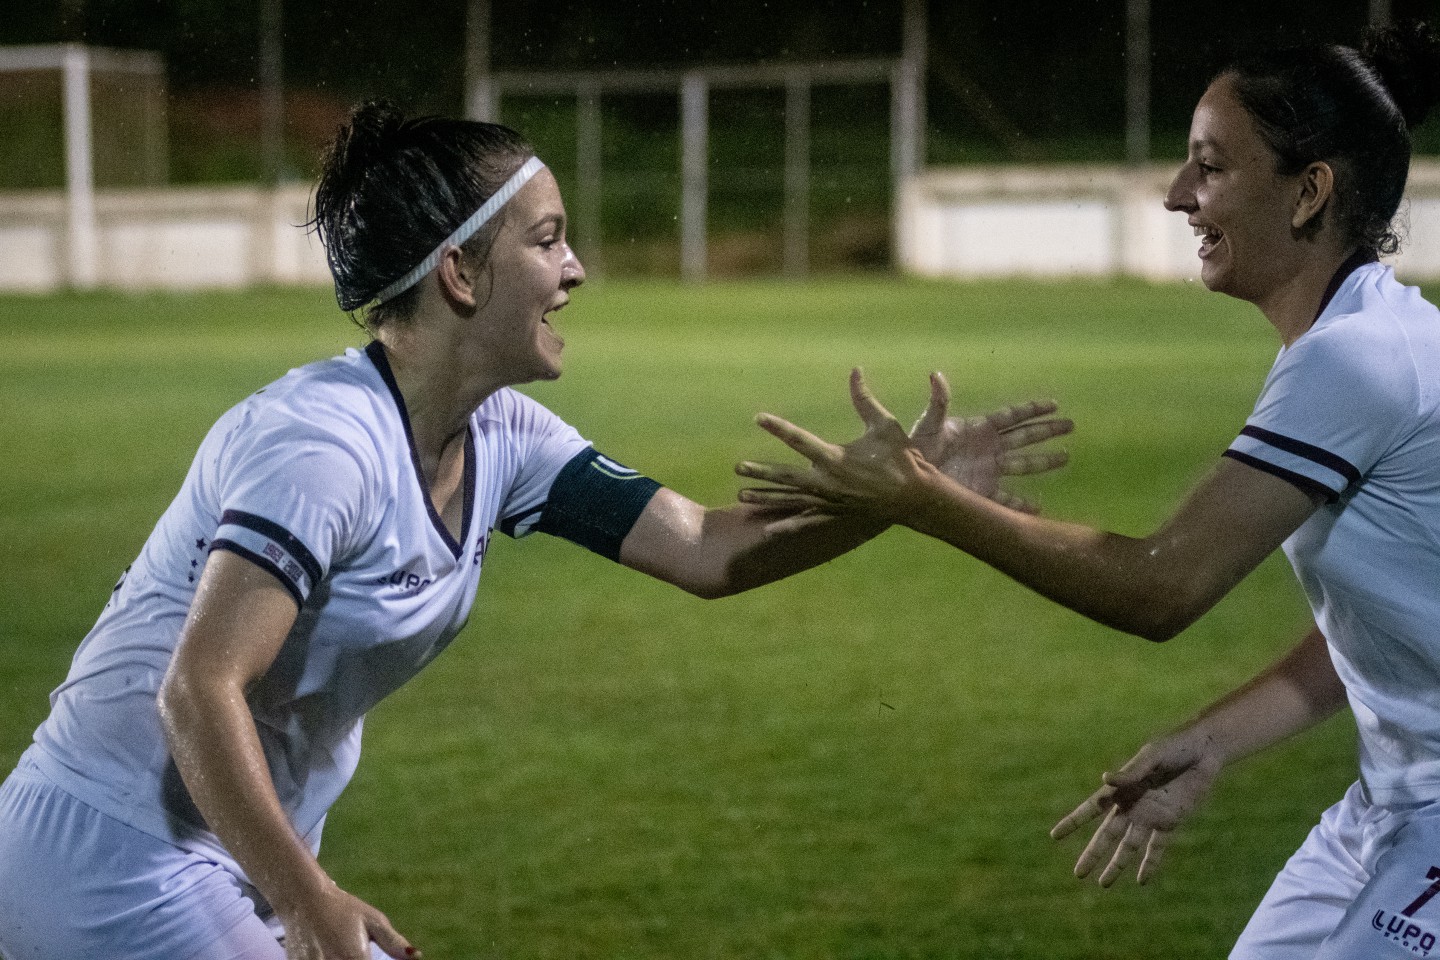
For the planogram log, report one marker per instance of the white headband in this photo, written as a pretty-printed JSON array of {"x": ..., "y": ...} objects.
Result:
[{"x": 467, "y": 229}]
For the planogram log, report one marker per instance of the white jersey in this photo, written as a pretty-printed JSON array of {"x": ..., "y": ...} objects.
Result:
[
  {"x": 314, "y": 478},
  {"x": 1351, "y": 412}
]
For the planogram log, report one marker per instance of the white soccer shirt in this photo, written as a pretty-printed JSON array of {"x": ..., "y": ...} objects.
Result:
[
  {"x": 314, "y": 478},
  {"x": 1351, "y": 412}
]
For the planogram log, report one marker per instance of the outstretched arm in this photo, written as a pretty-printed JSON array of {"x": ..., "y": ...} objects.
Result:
[
  {"x": 1153, "y": 586},
  {"x": 1156, "y": 789},
  {"x": 717, "y": 552},
  {"x": 238, "y": 622}
]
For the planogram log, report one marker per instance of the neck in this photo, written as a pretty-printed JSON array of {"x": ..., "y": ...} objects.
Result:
[
  {"x": 1294, "y": 305},
  {"x": 441, "y": 389}
]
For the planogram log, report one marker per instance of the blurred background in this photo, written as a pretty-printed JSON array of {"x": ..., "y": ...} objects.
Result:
[{"x": 247, "y": 92}]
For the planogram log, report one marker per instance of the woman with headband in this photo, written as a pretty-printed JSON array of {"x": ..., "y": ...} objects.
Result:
[
  {"x": 326, "y": 545},
  {"x": 1297, "y": 164}
]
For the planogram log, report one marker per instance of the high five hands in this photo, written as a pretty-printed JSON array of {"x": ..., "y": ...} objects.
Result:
[{"x": 887, "y": 471}]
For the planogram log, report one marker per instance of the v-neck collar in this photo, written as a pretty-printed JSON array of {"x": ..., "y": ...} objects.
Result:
[
  {"x": 1351, "y": 263},
  {"x": 376, "y": 352}
]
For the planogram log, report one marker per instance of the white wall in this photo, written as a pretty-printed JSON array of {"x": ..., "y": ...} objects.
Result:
[
  {"x": 169, "y": 239},
  {"x": 970, "y": 222},
  {"x": 1088, "y": 221}
]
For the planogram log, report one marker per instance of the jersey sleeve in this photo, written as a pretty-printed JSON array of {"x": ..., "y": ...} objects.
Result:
[
  {"x": 292, "y": 498},
  {"x": 542, "y": 444},
  {"x": 1333, "y": 404}
]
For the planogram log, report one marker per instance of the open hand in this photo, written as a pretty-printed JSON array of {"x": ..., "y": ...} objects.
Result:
[
  {"x": 886, "y": 469},
  {"x": 1142, "y": 805},
  {"x": 978, "y": 451}
]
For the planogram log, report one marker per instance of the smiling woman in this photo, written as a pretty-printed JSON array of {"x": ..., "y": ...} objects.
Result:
[
  {"x": 326, "y": 545},
  {"x": 1296, "y": 165}
]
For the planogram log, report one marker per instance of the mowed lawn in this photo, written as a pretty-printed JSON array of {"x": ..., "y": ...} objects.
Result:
[{"x": 862, "y": 762}]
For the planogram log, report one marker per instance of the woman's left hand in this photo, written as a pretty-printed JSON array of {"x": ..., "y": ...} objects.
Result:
[{"x": 887, "y": 470}]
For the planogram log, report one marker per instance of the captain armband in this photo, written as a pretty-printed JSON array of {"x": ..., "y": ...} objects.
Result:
[{"x": 594, "y": 502}]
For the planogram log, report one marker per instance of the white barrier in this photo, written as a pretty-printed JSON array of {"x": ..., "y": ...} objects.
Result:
[
  {"x": 165, "y": 239},
  {"x": 962, "y": 223},
  {"x": 1088, "y": 221}
]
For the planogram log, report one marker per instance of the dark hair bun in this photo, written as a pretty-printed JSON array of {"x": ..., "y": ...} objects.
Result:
[{"x": 1407, "y": 57}]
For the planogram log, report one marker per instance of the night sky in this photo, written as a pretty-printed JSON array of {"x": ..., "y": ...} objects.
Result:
[{"x": 1049, "y": 69}]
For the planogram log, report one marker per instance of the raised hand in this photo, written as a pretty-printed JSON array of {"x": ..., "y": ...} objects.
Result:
[
  {"x": 884, "y": 470},
  {"x": 978, "y": 451},
  {"x": 874, "y": 474},
  {"x": 1142, "y": 805}
]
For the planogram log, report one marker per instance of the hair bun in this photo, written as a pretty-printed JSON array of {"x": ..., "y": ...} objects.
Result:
[
  {"x": 1407, "y": 57},
  {"x": 372, "y": 125}
]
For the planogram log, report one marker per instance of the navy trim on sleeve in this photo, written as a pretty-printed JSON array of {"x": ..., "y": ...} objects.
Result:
[
  {"x": 1299, "y": 448},
  {"x": 595, "y": 502},
  {"x": 508, "y": 525},
  {"x": 1298, "y": 480},
  {"x": 268, "y": 528},
  {"x": 264, "y": 563}
]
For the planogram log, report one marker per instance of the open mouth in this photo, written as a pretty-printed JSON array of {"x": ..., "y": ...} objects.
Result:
[{"x": 1209, "y": 237}]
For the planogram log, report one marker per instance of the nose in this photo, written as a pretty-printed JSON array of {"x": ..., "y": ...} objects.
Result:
[
  {"x": 572, "y": 271},
  {"x": 1180, "y": 198}
]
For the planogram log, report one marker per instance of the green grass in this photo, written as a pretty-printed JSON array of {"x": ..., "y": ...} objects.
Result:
[{"x": 859, "y": 763}]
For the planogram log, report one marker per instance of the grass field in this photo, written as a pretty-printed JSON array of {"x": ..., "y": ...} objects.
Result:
[{"x": 861, "y": 762}]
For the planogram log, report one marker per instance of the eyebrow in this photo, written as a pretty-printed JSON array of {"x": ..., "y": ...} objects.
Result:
[{"x": 555, "y": 219}]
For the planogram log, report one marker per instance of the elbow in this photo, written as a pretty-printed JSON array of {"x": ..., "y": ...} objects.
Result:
[{"x": 1166, "y": 611}]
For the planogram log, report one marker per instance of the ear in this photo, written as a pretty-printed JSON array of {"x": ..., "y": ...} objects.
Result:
[
  {"x": 1317, "y": 186},
  {"x": 455, "y": 279}
]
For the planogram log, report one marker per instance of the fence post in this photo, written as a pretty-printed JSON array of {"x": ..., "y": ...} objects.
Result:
[
  {"x": 694, "y": 185},
  {"x": 84, "y": 267},
  {"x": 797, "y": 174}
]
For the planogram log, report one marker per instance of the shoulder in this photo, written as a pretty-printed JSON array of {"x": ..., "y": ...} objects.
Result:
[
  {"x": 332, "y": 409},
  {"x": 1378, "y": 336}
]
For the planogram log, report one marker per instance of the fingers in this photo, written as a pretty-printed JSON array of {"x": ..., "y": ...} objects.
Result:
[
  {"x": 1007, "y": 418},
  {"x": 1087, "y": 811},
  {"x": 1107, "y": 838},
  {"x": 933, "y": 419},
  {"x": 870, "y": 410},
  {"x": 1154, "y": 853},
  {"x": 784, "y": 499},
  {"x": 796, "y": 478},
  {"x": 1130, "y": 845},
  {"x": 1037, "y": 461},
  {"x": 798, "y": 439},
  {"x": 1032, "y": 433}
]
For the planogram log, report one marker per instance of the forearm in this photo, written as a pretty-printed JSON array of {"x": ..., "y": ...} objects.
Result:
[
  {"x": 718, "y": 552},
  {"x": 1295, "y": 693},
  {"x": 1145, "y": 587},
  {"x": 213, "y": 739},
  {"x": 753, "y": 549}
]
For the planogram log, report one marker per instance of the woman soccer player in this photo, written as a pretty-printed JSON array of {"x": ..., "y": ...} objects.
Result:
[
  {"x": 1297, "y": 162},
  {"x": 327, "y": 544}
]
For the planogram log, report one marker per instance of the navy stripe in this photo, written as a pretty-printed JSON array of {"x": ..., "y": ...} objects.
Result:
[
  {"x": 1304, "y": 484},
  {"x": 376, "y": 352},
  {"x": 1352, "y": 263},
  {"x": 268, "y": 528},
  {"x": 263, "y": 562},
  {"x": 1304, "y": 450},
  {"x": 508, "y": 525}
]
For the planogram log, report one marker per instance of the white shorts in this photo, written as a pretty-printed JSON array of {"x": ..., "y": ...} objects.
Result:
[
  {"x": 76, "y": 884},
  {"x": 1363, "y": 886}
]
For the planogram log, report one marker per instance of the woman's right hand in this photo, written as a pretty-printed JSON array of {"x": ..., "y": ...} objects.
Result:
[
  {"x": 1143, "y": 803},
  {"x": 335, "y": 925}
]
